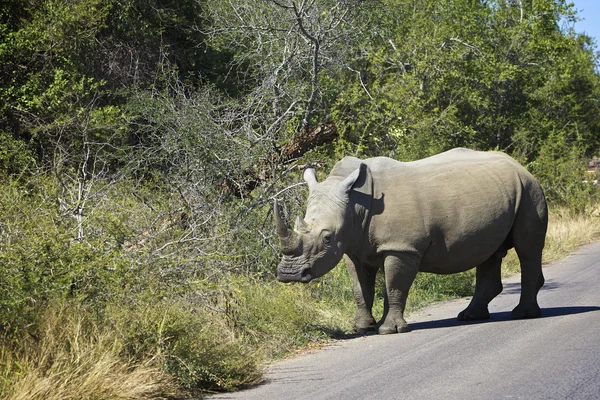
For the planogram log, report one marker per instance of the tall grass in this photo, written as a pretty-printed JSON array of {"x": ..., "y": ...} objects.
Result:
[
  {"x": 72, "y": 358},
  {"x": 162, "y": 348},
  {"x": 140, "y": 349},
  {"x": 567, "y": 231}
]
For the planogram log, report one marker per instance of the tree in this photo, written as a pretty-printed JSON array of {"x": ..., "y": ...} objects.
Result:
[
  {"x": 286, "y": 50},
  {"x": 436, "y": 75}
]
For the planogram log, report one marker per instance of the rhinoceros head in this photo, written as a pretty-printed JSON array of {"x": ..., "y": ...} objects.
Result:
[{"x": 316, "y": 243}]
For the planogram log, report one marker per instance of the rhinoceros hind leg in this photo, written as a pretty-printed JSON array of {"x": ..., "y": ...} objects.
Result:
[
  {"x": 488, "y": 284},
  {"x": 473, "y": 315},
  {"x": 522, "y": 311},
  {"x": 530, "y": 286},
  {"x": 529, "y": 233}
]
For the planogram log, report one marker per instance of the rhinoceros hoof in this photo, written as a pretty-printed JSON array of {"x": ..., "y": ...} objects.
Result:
[
  {"x": 386, "y": 330},
  {"x": 472, "y": 315},
  {"x": 364, "y": 324},
  {"x": 521, "y": 312},
  {"x": 366, "y": 328}
]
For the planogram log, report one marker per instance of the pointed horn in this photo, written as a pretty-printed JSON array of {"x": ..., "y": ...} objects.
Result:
[
  {"x": 287, "y": 237},
  {"x": 283, "y": 230}
]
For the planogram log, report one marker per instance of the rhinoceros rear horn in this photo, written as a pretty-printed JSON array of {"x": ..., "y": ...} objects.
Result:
[
  {"x": 287, "y": 236},
  {"x": 300, "y": 224},
  {"x": 310, "y": 177}
]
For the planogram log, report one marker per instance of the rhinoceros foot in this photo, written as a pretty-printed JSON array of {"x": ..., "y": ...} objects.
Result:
[
  {"x": 474, "y": 314},
  {"x": 365, "y": 329},
  {"x": 364, "y": 322},
  {"x": 388, "y": 328},
  {"x": 522, "y": 311}
]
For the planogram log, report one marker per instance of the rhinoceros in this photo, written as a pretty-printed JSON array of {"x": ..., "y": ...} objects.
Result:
[{"x": 444, "y": 214}]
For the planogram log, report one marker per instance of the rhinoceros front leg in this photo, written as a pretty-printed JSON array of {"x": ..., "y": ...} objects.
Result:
[
  {"x": 363, "y": 280},
  {"x": 400, "y": 272}
]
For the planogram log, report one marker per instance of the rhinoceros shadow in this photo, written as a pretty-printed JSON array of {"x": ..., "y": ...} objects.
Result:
[
  {"x": 549, "y": 312},
  {"x": 515, "y": 287}
]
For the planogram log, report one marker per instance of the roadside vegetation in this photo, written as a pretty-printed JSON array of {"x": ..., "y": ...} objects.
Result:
[{"x": 142, "y": 144}]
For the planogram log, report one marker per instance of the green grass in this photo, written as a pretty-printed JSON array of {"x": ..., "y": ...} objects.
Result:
[{"x": 216, "y": 336}]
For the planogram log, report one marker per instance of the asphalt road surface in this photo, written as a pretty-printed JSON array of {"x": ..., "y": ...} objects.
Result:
[{"x": 553, "y": 357}]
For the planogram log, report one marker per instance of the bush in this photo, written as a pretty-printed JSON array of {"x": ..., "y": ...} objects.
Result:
[
  {"x": 15, "y": 157},
  {"x": 194, "y": 346},
  {"x": 560, "y": 169},
  {"x": 40, "y": 258},
  {"x": 217, "y": 336}
]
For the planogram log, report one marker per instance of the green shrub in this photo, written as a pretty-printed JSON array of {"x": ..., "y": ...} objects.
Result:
[
  {"x": 218, "y": 336},
  {"x": 40, "y": 259},
  {"x": 15, "y": 158},
  {"x": 560, "y": 168},
  {"x": 196, "y": 347}
]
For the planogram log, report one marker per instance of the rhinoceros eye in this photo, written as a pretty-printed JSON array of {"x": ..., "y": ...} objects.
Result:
[{"x": 326, "y": 237}]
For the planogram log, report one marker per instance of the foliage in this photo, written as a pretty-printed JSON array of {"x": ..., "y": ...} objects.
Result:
[
  {"x": 560, "y": 169},
  {"x": 15, "y": 157},
  {"x": 42, "y": 259},
  {"x": 442, "y": 74},
  {"x": 143, "y": 142}
]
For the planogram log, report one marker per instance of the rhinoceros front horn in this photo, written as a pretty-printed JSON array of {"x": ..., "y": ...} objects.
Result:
[{"x": 287, "y": 237}]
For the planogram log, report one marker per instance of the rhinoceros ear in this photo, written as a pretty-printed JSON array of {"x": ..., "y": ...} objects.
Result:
[
  {"x": 310, "y": 177},
  {"x": 359, "y": 180}
]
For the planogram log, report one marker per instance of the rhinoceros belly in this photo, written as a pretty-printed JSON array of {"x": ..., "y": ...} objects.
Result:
[{"x": 459, "y": 250}]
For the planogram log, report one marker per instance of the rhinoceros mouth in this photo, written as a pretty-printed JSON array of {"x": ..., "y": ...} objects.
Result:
[{"x": 285, "y": 273}]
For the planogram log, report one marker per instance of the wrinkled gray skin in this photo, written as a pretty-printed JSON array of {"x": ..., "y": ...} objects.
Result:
[{"x": 443, "y": 214}]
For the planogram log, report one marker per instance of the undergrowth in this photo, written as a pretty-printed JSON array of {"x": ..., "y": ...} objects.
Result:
[
  {"x": 150, "y": 345},
  {"x": 73, "y": 357}
]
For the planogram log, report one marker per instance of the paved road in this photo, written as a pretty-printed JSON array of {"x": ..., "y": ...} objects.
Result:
[{"x": 553, "y": 357}]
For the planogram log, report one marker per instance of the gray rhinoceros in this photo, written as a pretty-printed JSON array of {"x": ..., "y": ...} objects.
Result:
[{"x": 443, "y": 214}]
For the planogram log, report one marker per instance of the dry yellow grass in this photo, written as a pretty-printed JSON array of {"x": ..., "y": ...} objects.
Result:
[
  {"x": 73, "y": 361},
  {"x": 566, "y": 233},
  {"x": 74, "y": 358}
]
